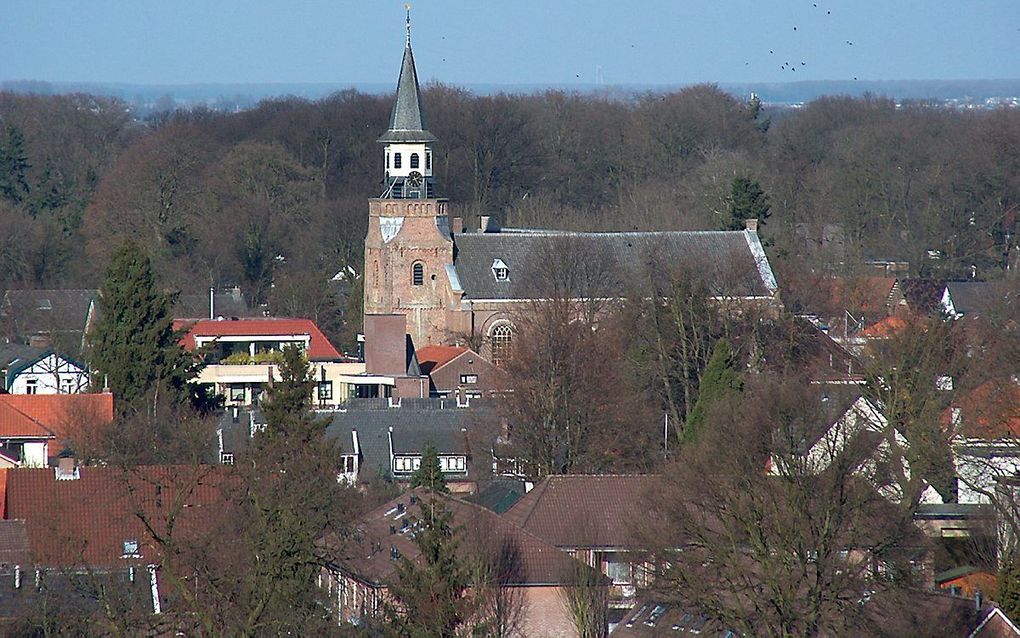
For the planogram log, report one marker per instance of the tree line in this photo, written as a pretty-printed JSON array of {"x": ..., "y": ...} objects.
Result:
[{"x": 273, "y": 198}]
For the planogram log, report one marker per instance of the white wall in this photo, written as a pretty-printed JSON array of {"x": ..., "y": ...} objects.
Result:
[
  {"x": 51, "y": 375},
  {"x": 35, "y": 453}
]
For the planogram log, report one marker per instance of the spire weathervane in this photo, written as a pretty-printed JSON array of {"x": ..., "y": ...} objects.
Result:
[{"x": 407, "y": 7}]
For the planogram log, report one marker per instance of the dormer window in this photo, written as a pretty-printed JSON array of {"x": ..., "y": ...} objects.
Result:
[
  {"x": 415, "y": 161},
  {"x": 500, "y": 270},
  {"x": 130, "y": 547},
  {"x": 396, "y": 160}
]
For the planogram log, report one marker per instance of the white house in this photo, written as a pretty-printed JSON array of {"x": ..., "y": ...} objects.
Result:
[{"x": 46, "y": 373}]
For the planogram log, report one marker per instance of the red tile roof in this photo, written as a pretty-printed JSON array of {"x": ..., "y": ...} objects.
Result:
[
  {"x": 432, "y": 357},
  {"x": 577, "y": 511},
  {"x": 84, "y": 522},
  {"x": 17, "y": 424},
  {"x": 991, "y": 411},
  {"x": 320, "y": 349},
  {"x": 62, "y": 414},
  {"x": 886, "y": 328}
]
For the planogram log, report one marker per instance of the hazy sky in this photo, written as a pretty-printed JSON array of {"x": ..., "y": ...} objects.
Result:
[{"x": 512, "y": 42}]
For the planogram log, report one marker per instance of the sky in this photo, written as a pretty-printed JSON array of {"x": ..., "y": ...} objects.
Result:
[{"x": 546, "y": 42}]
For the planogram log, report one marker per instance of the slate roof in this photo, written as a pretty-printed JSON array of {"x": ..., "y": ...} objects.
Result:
[
  {"x": 73, "y": 523},
  {"x": 970, "y": 296},
  {"x": 583, "y": 510},
  {"x": 225, "y": 304},
  {"x": 319, "y": 349},
  {"x": 412, "y": 428},
  {"x": 728, "y": 260},
  {"x": 14, "y": 353},
  {"x": 14, "y": 548},
  {"x": 407, "y": 120},
  {"x": 529, "y": 560},
  {"x": 48, "y": 311}
]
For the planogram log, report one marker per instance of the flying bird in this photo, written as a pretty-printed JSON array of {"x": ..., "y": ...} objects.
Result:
[{"x": 849, "y": 42}]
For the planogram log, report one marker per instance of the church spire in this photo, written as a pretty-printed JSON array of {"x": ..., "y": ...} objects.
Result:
[{"x": 407, "y": 121}]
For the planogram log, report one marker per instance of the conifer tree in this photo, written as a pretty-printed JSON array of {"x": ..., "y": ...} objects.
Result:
[
  {"x": 746, "y": 201},
  {"x": 13, "y": 166},
  {"x": 430, "y": 474},
  {"x": 1008, "y": 595},
  {"x": 134, "y": 348},
  {"x": 719, "y": 381}
]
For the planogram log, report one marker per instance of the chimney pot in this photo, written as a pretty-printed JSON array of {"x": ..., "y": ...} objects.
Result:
[
  {"x": 483, "y": 223},
  {"x": 751, "y": 225}
]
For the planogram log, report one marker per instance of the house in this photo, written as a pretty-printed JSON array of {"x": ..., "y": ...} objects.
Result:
[
  {"x": 460, "y": 372},
  {"x": 592, "y": 518},
  {"x": 66, "y": 418},
  {"x": 966, "y": 580},
  {"x": 533, "y": 572},
  {"x": 457, "y": 285},
  {"x": 241, "y": 357},
  {"x": 23, "y": 440},
  {"x": 57, "y": 319},
  {"x": 985, "y": 433},
  {"x": 41, "y": 372},
  {"x": 960, "y": 298}
]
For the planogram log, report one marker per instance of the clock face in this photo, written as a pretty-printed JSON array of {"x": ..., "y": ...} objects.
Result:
[{"x": 414, "y": 179}]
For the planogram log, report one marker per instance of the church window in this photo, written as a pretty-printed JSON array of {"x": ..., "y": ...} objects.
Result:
[
  {"x": 396, "y": 160},
  {"x": 418, "y": 274},
  {"x": 387, "y": 161},
  {"x": 428, "y": 160},
  {"x": 501, "y": 338},
  {"x": 414, "y": 160}
]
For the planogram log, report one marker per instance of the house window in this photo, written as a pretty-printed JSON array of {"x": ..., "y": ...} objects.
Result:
[
  {"x": 501, "y": 339},
  {"x": 396, "y": 160},
  {"x": 468, "y": 379},
  {"x": 473, "y": 394},
  {"x": 237, "y": 392},
  {"x": 66, "y": 386},
  {"x": 415, "y": 161},
  {"x": 226, "y": 458},
  {"x": 130, "y": 547},
  {"x": 325, "y": 391},
  {"x": 31, "y": 386},
  {"x": 618, "y": 570},
  {"x": 500, "y": 270},
  {"x": 349, "y": 463},
  {"x": 403, "y": 464},
  {"x": 418, "y": 274}
]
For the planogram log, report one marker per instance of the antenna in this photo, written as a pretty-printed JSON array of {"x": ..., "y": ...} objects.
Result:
[{"x": 407, "y": 8}]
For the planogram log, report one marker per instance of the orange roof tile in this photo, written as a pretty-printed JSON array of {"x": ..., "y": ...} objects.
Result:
[
  {"x": 16, "y": 424},
  {"x": 991, "y": 411},
  {"x": 319, "y": 349},
  {"x": 886, "y": 328},
  {"x": 432, "y": 357},
  {"x": 62, "y": 413}
]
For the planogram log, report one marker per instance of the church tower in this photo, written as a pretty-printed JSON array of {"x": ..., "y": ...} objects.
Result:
[{"x": 408, "y": 246}]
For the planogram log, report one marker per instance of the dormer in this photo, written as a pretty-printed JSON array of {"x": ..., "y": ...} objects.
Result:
[{"x": 500, "y": 271}]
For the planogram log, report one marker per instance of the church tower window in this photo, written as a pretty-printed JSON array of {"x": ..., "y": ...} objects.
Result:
[
  {"x": 501, "y": 338},
  {"x": 418, "y": 274},
  {"x": 428, "y": 160},
  {"x": 415, "y": 160},
  {"x": 396, "y": 160}
]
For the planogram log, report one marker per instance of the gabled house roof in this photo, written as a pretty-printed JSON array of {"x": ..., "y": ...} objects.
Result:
[
  {"x": 970, "y": 297},
  {"x": 86, "y": 521},
  {"x": 20, "y": 365},
  {"x": 886, "y": 328},
  {"x": 529, "y": 559},
  {"x": 61, "y": 414},
  {"x": 49, "y": 311},
  {"x": 575, "y": 511},
  {"x": 319, "y": 349},
  {"x": 990, "y": 411},
  {"x": 15, "y": 424},
  {"x": 225, "y": 304}
]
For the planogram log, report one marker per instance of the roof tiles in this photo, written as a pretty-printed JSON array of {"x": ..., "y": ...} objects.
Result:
[{"x": 319, "y": 349}]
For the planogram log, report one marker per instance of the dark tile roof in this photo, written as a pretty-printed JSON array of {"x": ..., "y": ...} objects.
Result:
[
  {"x": 529, "y": 560},
  {"x": 14, "y": 548},
  {"x": 78, "y": 595},
  {"x": 85, "y": 521},
  {"x": 14, "y": 353},
  {"x": 656, "y": 618},
  {"x": 583, "y": 510},
  {"x": 225, "y": 304},
  {"x": 726, "y": 259},
  {"x": 48, "y": 311},
  {"x": 923, "y": 295},
  {"x": 499, "y": 495}
]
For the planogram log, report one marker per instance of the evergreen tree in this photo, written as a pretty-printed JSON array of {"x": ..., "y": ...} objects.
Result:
[
  {"x": 290, "y": 501},
  {"x": 719, "y": 381},
  {"x": 430, "y": 591},
  {"x": 1008, "y": 595},
  {"x": 746, "y": 201},
  {"x": 429, "y": 474},
  {"x": 13, "y": 166},
  {"x": 134, "y": 347}
]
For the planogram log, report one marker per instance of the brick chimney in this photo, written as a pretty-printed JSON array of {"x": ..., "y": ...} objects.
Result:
[
  {"x": 458, "y": 225},
  {"x": 751, "y": 225},
  {"x": 386, "y": 345},
  {"x": 67, "y": 469}
]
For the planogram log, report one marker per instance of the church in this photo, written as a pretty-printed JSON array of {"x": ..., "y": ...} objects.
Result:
[{"x": 457, "y": 285}]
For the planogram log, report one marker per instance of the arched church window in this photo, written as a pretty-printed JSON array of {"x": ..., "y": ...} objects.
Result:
[
  {"x": 396, "y": 160},
  {"x": 415, "y": 160},
  {"x": 500, "y": 338},
  {"x": 418, "y": 274}
]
